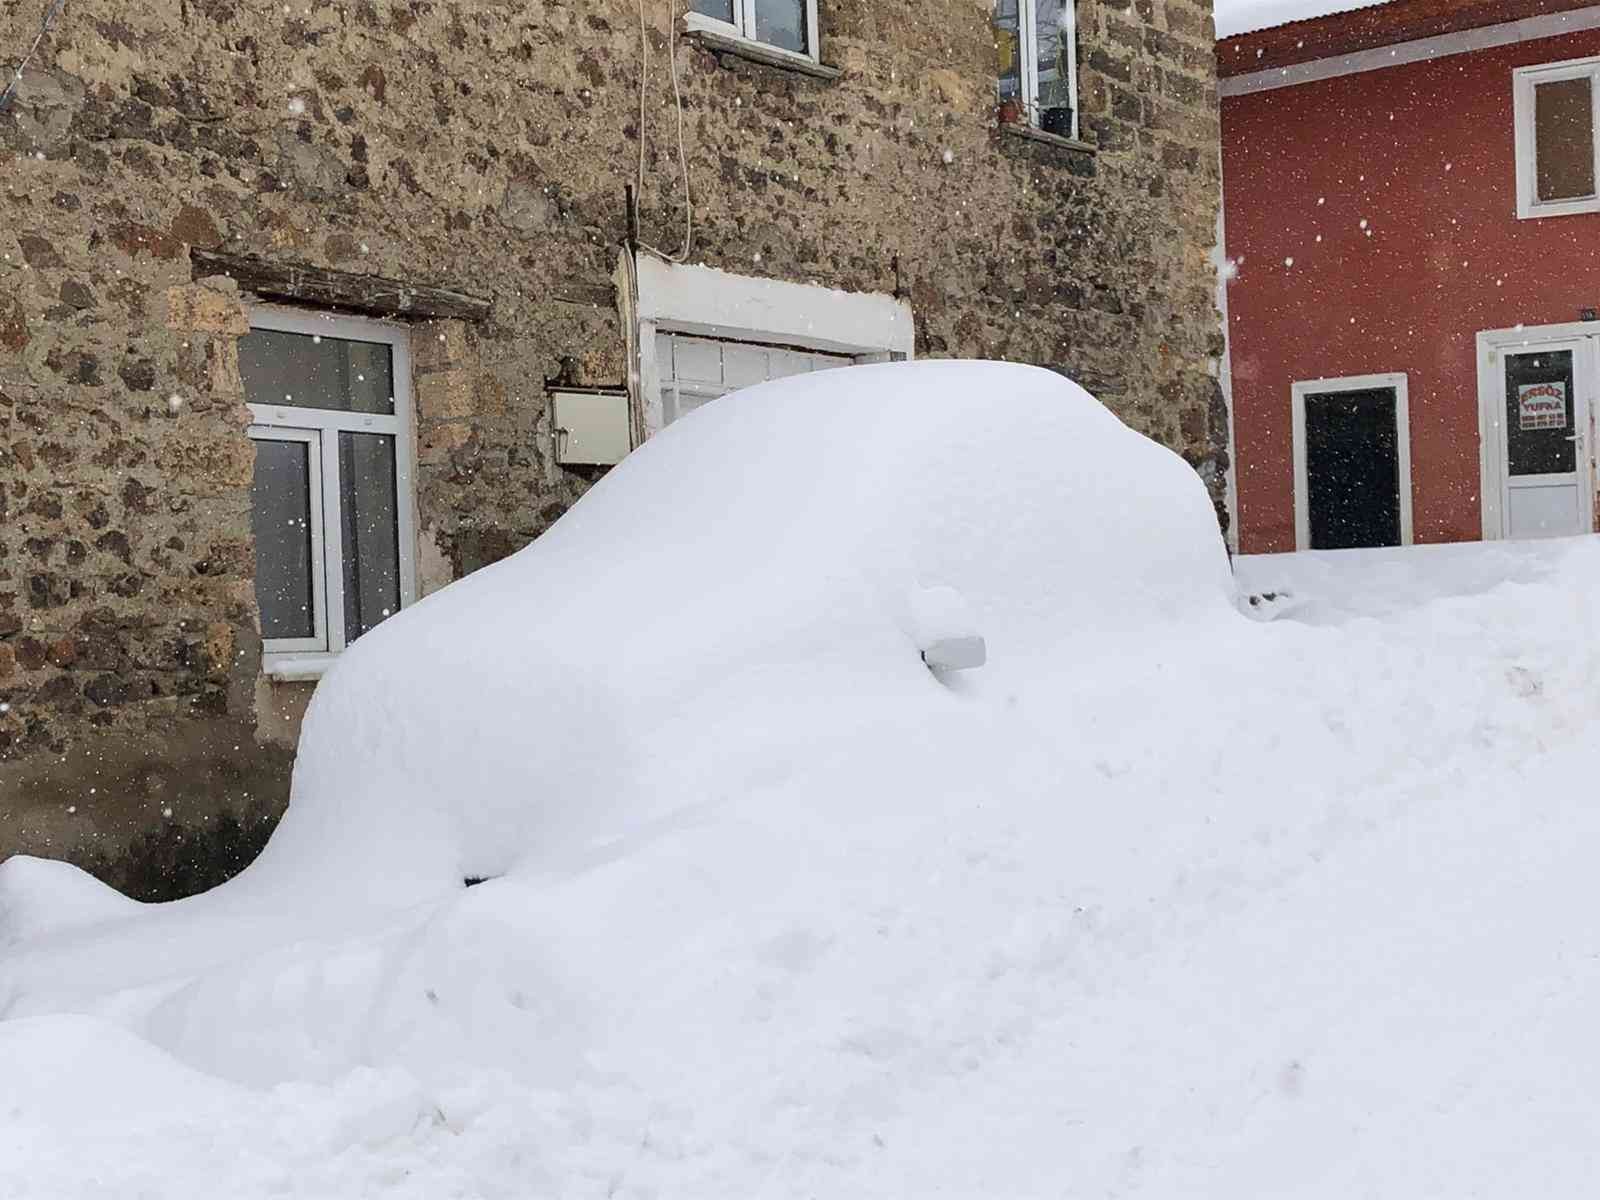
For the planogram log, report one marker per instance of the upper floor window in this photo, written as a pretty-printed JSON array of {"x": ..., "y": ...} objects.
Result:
[
  {"x": 788, "y": 25},
  {"x": 330, "y": 505},
  {"x": 1557, "y": 120},
  {"x": 1037, "y": 42}
]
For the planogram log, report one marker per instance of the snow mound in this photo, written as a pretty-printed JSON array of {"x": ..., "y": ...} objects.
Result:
[
  {"x": 1159, "y": 902},
  {"x": 39, "y": 897},
  {"x": 761, "y": 554}
]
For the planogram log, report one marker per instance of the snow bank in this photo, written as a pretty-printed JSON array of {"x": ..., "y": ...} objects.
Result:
[
  {"x": 764, "y": 555},
  {"x": 1159, "y": 902}
]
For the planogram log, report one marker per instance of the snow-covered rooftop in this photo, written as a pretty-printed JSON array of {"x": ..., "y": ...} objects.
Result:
[{"x": 1234, "y": 17}]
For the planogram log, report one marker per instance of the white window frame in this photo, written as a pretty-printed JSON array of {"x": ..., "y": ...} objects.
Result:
[
  {"x": 1028, "y": 48},
  {"x": 743, "y": 27},
  {"x": 1523, "y": 82},
  {"x": 663, "y": 297},
  {"x": 701, "y": 391},
  {"x": 1298, "y": 392},
  {"x": 308, "y": 658}
]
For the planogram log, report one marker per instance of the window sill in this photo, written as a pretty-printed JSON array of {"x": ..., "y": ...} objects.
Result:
[
  {"x": 767, "y": 56},
  {"x": 296, "y": 668},
  {"x": 1557, "y": 208},
  {"x": 1029, "y": 133}
]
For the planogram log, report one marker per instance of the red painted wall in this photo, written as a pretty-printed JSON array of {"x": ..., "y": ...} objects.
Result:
[{"x": 1425, "y": 155}]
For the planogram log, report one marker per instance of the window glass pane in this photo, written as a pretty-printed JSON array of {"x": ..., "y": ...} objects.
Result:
[
  {"x": 722, "y": 10},
  {"x": 782, "y": 23},
  {"x": 1563, "y": 124},
  {"x": 1008, "y": 50},
  {"x": 280, "y": 517},
  {"x": 1539, "y": 433},
  {"x": 1054, "y": 47},
  {"x": 371, "y": 531},
  {"x": 316, "y": 371}
]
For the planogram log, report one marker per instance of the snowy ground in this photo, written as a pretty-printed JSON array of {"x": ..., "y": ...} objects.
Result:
[
  {"x": 1316, "y": 921},
  {"x": 1199, "y": 906}
]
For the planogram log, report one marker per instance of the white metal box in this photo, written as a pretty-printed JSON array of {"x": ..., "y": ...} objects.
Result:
[{"x": 592, "y": 428}]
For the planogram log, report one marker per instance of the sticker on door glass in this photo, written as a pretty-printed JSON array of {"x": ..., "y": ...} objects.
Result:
[{"x": 1542, "y": 406}]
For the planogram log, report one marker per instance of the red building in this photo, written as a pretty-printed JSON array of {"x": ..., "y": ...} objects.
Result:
[{"x": 1412, "y": 227}]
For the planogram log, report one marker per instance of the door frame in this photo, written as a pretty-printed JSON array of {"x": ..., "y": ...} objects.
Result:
[
  {"x": 1584, "y": 338},
  {"x": 1298, "y": 391}
]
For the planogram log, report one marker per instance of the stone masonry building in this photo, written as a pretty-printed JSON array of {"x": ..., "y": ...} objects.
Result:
[{"x": 426, "y": 224}]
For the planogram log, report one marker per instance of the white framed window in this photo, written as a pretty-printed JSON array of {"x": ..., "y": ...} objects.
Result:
[
  {"x": 696, "y": 332},
  {"x": 1557, "y": 117},
  {"x": 332, "y": 500},
  {"x": 1037, "y": 45},
  {"x": 695, "y": 369},
  {"x": 789, "y": 26},
  {"x": 1352, "y": 462}
]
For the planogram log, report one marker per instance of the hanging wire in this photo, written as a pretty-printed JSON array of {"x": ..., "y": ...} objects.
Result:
[
  {"x": 683, "y": 154},
  {"x": 50, "y": 16}
]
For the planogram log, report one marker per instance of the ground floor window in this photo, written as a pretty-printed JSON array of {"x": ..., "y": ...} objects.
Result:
[
  {"x": 697, "y": 369},
  {"x": 331, "y": 498},
  {"x": 696, "y": 333},
  {"x": 1352, "y": 463}
]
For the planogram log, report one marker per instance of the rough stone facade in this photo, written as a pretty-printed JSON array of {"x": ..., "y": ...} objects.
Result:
[{"x": 486, "y": 146}]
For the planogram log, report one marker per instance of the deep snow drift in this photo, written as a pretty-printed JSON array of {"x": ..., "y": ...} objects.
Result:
[{"x": 1161, "y": 901}]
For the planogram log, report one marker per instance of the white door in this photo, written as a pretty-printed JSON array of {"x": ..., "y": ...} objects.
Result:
[
  {"x": 696, "y": 369},
  {"x": 1544, "y": 454}
]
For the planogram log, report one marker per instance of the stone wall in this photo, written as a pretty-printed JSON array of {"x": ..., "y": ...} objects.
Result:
[{"x": 486, "y": 146}]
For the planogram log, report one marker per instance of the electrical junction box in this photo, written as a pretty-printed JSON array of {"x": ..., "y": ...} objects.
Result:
[{"x": 593, "y": 427}]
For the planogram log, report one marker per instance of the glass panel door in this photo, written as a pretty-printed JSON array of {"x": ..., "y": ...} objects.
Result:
[{"x": 1544, "y": 423}]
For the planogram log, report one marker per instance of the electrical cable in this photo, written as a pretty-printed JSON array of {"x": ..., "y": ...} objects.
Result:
[
  {"x": 50, "y": 16},
  {"x": 683, "y": 153}
]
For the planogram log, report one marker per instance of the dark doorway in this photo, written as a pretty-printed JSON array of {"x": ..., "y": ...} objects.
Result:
[{"x": 1353, "y": 469}]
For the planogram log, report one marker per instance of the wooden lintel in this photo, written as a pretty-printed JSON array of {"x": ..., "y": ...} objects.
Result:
[
  {"x": 340, "y": 289},
  {"x": 590, "y": 295}
]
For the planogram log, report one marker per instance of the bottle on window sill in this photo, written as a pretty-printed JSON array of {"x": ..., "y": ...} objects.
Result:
[{"x": 1057, "y": 121}]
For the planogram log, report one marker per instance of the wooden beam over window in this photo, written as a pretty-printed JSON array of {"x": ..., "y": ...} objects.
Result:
[{"x": 344, "y": 290}]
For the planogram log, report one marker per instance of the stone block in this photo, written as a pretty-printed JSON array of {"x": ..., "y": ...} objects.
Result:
[
  {"x": 438, "y": 345},
  {"x": 445, "y": 395},
  {"x": 196, "y": 308}
]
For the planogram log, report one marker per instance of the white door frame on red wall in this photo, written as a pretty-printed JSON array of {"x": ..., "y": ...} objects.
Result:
[
  {"x": 1583, "y": 337},
  {"x": 1393, "y": 381}
]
